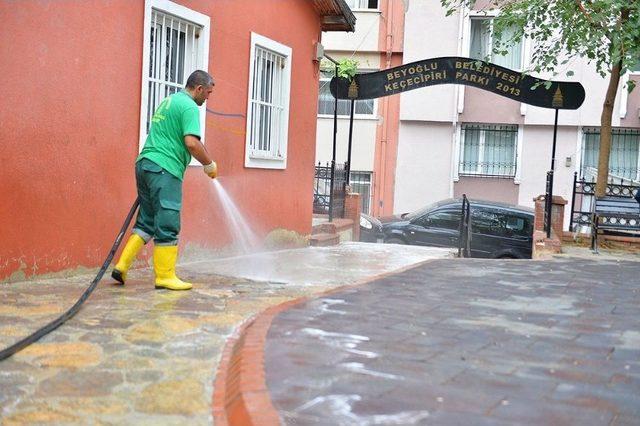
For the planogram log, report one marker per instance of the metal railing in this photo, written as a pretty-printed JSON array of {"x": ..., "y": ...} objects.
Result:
[
  {"x": 583, "y": 199},
  {"x": 464, "y": 239},
  {"x": 329, "y": 189},
  {"x": 548, "y": 203}
]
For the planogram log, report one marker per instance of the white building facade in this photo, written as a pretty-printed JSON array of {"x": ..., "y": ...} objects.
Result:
[
  {"x": 376, "y": 44},
  {"x": 456, "y": 140}
]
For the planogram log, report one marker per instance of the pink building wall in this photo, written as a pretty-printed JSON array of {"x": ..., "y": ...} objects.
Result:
[{"x": 69, "y": 126}]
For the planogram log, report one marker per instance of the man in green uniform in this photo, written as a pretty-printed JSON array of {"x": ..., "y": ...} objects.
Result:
[{"x": 173, "y": 138}]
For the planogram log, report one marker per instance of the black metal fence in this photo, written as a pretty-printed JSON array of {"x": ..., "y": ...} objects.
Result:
[
  {"x": 548, "y": 203},
  {"x": 329, "y": 189},
  {"x": 339, "y": 191},
  {"x": 321, "y": 186},
  {"x": 464, "y": 238},
  {"x": 583, "y": 199}
]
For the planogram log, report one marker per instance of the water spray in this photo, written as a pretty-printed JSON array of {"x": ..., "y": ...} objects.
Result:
[{"x": 246, "y": 238}]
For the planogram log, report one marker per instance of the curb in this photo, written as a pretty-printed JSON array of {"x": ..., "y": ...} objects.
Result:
[{"x": 240, "y": 395}]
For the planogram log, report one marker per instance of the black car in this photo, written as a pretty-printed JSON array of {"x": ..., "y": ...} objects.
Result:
[
  {"x": 497, "y": 230},
  {"x": 370, "y": 229}
]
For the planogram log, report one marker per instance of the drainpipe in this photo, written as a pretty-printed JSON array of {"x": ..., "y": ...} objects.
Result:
[
  {"x": 454, "y": 121},
  {"x": 385, "y": 105}
]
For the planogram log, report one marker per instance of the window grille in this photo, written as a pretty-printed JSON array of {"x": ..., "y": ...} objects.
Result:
[
  {"x": 488, "y": 150},
  {"x": 173, "y": 53},
  {"x": 624, "y": 156},
  {"x": 268, "y": 109},
  {"x": 360, "y": 183},
  {"x": 326, "y": 101},
  {"x": 482, "y": 43},
  {"x": 362, "y": 4}
]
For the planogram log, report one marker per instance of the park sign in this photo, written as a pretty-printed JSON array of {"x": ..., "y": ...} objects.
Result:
[{"x": 455, "y": 70}]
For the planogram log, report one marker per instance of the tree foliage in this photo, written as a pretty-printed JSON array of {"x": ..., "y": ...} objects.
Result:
[
  {"x": 605, "y": 32},
  {"x": 347, "y": 68}
]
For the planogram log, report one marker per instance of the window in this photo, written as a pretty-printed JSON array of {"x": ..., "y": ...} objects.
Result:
[
  {"x": 268, "y": 106},
  {"x": 517, "y": 226},
  {"x": 488, "y": 150},
  {"x": 362, "y": 4},
  {"x": 623, "y": 159},
  {"x": 176, "y": 43},
  {"x": 326, "y": 101},
  {"x": 499, "y": 224},
  {"x": 482, "y": 43},
  {"x": 360, "y": 183},
  {"x": 447, "y": 219}
]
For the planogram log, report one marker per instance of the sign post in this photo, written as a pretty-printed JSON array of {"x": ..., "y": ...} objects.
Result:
[
  {"x": 470, "y": 72},
  {"x": 456, "y": 70},
  {"x": 350, "y": 142},
  {"x": 335, "y": 137}
]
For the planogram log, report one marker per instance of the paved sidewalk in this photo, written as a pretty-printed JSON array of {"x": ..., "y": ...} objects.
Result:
[
  {"x": 135, "y": 355},
  {"x": 460, "y": 342}
]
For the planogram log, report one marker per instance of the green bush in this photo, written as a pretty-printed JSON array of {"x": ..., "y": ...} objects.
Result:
[{"x": 283, "y": 238}]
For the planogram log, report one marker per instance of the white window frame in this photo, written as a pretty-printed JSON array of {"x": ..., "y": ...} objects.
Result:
[
  {"x": 184, "y": 13},
  {"x": 368, "y": 184},
  {"x": 517, "y": 178},
  {"x": 356, "y": 116},
  {"x": 624, "y": 93},
  {"x": 259, "y": 161},
  {"x": 491, "y": 15},
  {"x": 365, "y": 9},
  {"x": 466, "y": 47}
]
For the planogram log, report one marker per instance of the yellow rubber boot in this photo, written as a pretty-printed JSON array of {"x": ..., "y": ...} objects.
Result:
[
  {"x": 164, "y": 265},
  {"x": 129, "y": 253}
]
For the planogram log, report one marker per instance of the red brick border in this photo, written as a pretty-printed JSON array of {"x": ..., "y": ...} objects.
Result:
[{"x": 240, "y": 395}]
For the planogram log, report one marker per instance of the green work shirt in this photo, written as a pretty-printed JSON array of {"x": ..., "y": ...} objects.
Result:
[{"x": 176, "y": 117}]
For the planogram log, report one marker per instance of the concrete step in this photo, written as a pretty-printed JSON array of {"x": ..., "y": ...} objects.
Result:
[
  {"x": 338, "y": 225},
  {"x": 324, "y": 239}
]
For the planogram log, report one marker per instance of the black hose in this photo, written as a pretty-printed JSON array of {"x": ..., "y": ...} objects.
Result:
[{"x": 6, "y": 353}]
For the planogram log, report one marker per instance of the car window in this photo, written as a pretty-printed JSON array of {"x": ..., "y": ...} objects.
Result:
[
  {"x": 499, "y": 224},
  {"x": 485, "y": 222},
  {"x": 518, "y": 226},
  {"x": 418, "y": 214},
  {"x": 446, "y": 219}
]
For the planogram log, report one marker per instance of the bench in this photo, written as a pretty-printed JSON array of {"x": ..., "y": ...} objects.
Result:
[{"x": 620, "y": 214}]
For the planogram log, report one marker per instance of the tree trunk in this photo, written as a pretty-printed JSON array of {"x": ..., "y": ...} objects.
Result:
[
  {"x": 605, "y": 130},
  {"x": 607, "y": 113}
]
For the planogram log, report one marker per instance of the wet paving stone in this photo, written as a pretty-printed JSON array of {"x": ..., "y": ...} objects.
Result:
[
  {"x": 506, "y": 343},
  {"x": 136, "y": 355},
  {"x": 80, "y": 383}
]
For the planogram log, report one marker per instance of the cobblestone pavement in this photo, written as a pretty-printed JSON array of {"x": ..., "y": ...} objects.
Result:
[
  {"x": 136, "y": 355},
  {"x": 465, "y": 341}
]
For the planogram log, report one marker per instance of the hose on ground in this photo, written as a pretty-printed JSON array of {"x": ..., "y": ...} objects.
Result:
[{"x": 37, "y": 335}]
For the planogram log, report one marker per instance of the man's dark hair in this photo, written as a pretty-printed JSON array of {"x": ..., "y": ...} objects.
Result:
[{"x": 199, "y": 78}]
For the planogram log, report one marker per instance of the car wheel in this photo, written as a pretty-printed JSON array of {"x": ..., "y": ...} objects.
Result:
[{"x": 395, "y": 241}]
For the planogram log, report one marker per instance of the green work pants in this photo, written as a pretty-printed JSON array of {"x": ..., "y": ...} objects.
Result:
[{"x": 160, "y": 196}]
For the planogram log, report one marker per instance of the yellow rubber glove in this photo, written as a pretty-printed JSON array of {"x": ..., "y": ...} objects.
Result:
[{"x": 211, "y": 170}]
